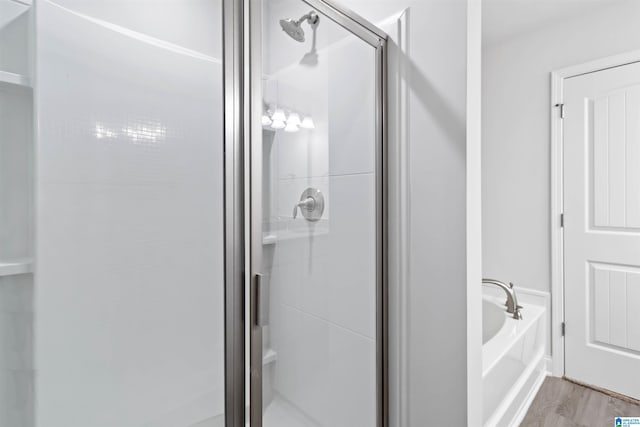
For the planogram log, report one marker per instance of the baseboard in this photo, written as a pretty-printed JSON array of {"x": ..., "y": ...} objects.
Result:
[{"x": 609, "y": 393}]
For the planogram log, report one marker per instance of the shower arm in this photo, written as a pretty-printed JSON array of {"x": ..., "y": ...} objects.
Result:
[{"x": 311, "y": 17}]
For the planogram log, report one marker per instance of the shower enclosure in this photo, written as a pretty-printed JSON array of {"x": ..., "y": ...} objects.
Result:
[
  {"x": 317, "y": 146},
  {"x": 192, "y": 214}
]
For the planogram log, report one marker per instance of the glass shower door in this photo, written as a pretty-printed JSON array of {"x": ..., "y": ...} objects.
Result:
[
  {"x": 317, "y": 299},
  {"x": 129, "y": 273}
]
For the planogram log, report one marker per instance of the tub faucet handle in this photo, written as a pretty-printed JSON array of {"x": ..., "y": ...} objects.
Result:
[{"x": 517, "y": 314}]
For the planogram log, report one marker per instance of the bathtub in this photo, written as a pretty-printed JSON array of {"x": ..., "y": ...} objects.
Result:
[{"x": 513, "y": 362}]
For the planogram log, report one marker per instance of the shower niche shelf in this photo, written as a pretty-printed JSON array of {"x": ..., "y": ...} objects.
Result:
[
  {"x": 16, "y": 44},
  {"x": 270, "y": 356},
  {"x": 301, "y": 230},
  {"x": 13, "y": 79},
  {"x": 15, "y": 267}
]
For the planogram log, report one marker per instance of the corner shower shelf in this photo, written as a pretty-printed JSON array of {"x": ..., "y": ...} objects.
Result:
[
  {"x": 269, "y": 239},
  {"x": 11, "y": 9},
  {"x": 21, "y": 2},
  {"x": 15, "y": 267},
  {"x": 320, "y": 228},
  {"x": 14, "y": 79}
]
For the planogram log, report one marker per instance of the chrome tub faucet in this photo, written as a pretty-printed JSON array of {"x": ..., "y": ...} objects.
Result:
[{"x": 512, "y": 301}]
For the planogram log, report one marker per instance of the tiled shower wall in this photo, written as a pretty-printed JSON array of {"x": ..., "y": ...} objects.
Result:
[
  {"x": 323, "y": 276},
  {"x": 16, "y": 350}
]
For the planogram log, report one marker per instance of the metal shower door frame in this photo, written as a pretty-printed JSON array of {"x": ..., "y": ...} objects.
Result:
[
  {"x": 377, "y": 39},
  {"x": 234, "y": 200}
]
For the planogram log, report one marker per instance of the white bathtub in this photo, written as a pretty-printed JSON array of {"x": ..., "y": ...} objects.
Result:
[{"x": 513, "y": 365}]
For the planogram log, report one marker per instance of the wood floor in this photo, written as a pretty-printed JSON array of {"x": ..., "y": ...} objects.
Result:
[{"x": 560, "y": 403}]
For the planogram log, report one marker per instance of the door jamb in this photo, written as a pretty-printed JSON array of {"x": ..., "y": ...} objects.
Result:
[{"x": 557, "y": 186}]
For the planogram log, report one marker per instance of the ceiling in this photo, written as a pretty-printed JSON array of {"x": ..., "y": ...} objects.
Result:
[{"x": 503, "y": 19}]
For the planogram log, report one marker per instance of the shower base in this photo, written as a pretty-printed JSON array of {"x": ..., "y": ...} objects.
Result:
[{"x": 279, "y": 413}]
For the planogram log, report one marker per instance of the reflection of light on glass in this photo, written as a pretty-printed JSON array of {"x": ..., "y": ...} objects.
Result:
[
  {"x": 277, "y": 119},
  {"x": 140, "y": 132},
  {"x": 145, "y": 133},
  {"x": 277, "y": 124},
  {"x": 104, "y": 132},
  {"x": 294, "y": 119},
  {"x": 307, "y": 123},
  {"x": 279, "y": 116},
  {"x": 291, "y": 128}
]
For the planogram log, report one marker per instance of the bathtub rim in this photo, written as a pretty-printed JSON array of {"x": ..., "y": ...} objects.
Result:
[{"x": 509, "y": 334}]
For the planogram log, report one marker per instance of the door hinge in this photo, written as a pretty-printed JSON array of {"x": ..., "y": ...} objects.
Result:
[
  {"x": 561, "y": 107},
  {"x": 561, "y": 220},
  {"x": 563, "y": 328}
]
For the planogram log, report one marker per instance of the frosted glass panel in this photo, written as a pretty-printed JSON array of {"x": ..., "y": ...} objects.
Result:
[{"x": 129, "y": 278}]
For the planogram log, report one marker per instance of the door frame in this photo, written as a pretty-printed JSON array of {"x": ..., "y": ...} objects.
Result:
[
  {"x": 557, "y": 193},
  {"x": 377, "y": 39}
]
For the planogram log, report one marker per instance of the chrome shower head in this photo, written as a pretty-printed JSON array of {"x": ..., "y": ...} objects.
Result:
[{"x": 294, "y": 28}]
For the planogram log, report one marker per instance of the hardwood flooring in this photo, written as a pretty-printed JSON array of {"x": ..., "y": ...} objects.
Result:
[{"x": 561, "y": 403}]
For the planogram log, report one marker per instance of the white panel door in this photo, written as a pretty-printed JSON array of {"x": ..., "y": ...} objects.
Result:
[{"x": 602, "y": 228}]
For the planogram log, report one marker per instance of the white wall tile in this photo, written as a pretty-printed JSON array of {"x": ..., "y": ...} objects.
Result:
[
  {"x": 352, "y": 120},
  {"x": 16, "y": 351},
  {"x": 352, "y": 380},
  {"x": 323, "y": 280},
  {"x": 352, "y": 259},
  {"x": 16, "y": 172},
  {"x": 301, "y": 373},
  {"x": 325, "y": 370}
]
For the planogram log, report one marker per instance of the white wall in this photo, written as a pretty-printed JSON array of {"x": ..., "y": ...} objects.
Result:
[
  {"x": 516, "y": 134},
  {"x": 129, "y": 284}
]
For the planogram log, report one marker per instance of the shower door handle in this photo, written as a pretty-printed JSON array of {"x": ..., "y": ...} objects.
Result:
[{"x": 263, "y": 285}]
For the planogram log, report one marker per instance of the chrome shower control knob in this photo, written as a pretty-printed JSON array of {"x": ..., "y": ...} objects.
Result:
[
  {"x": 311, "y": 205},
  {"x": 308, "y": 204}
]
